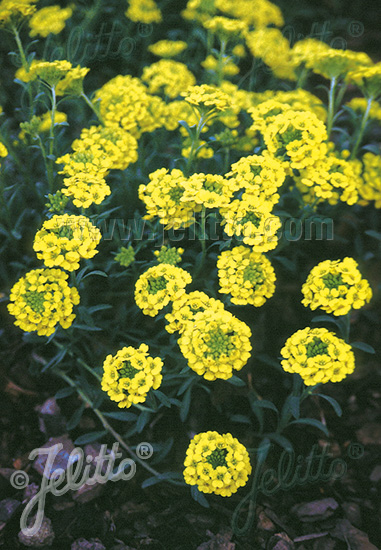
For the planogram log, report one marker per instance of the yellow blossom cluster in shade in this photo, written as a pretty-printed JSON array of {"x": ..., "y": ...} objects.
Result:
[
  {"x": 162, "y": 197},
  {"x": 185, "y": 308},
  {"x": 64, "y": 240},
  {"x": 228, "y": 67},
  {"x": 258, "y": 176},
  {"x": 360, "y": 105},
  {"x": 159, "y": 285},
  {"x": 298, "y": 137},
  {"x": 50, "y": 19},
  {"x": 246, "y": 275},
  {"x": 129, "y": 375},
  {"x": 143, "y": 11},
  {"x": 60, "y": 74},
  {"x": 207, "y": 98},
  {"x": 3, "y": 151},
  {"x": 41, "y": 300},
  {"x": 214, "y": 343},
  {"x": 85, "y": 189},
  {"x": 274, "y": 49},
  {"x": 370, "y": 188},
  {"x": 125, "y": 256},
  {"x": 168, "y": 77},
  {"x": 253, "y": 222},
  {"x": 167, "y": 48},
  {"x": 332, "y": 179},
  {"x": 41, "y": 124},
  {"x": 262, "y": 14},
  {"x": 318, "y": 356},
  {"x": 367, "y": 78},
  {"x": 118, "y": 146},
  {"x": 92, "y": 161},
  {"x": 199, "y": 10},
  {"x": 168, "y": 255},
  {"x": 216, "y": 463},
  {"x": 12, "y": 11},
  {"x": 125, "y": 101},
  {"x": 336, "y": 287},
  {"x": 224, "y": 27}
]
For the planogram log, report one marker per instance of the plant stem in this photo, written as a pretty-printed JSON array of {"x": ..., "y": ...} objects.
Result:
[
  {"x": 220, "y": 64},
  {"x": 109, "y": 428},
  {"x": 202, "y": 240},
  {"x": 331, "y": 105},
  {"x": 25, "y": 65},
  {"x": 362, "y": 128},
  {"x": 92, "y": 107},
  {"x": 194, "y": 145}
]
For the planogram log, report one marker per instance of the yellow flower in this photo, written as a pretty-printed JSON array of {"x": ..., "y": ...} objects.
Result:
[
  {"x": 247, "y": 275},
  {"x": 12, "y": 11},
  {"x": 367, "y": 78},
  {"x": 125, "y": 256},
  {"x": 209, "y": 190},
  {"x": 214, "y": 343},
  {"x": 42, "y": 299},
  {"x": 370, "y": 188},
  {"x": 216, "y": 463},
  {"x": 318, "y": 356},
  {"x": 224, "y": 27},
  {"x": 336, "y": 287},
  {"x": 143, "y": 11},
  {"x": 50, "y": 19},
  {"x": 64, "y": 240},
  {"x": 159, "y": 285},
  {"x": 261, "y": 14},
  {"x": 168, "y": 255},
  {"x": 86, "y": 188},
  {"x": 59, "y": 74},
  {"x": 274, "y": 49},
  {"x": 207, "y": 98},
  {"x": 167, "y": 48},
  {"x": 168, "y": 77},
  {"x": 228, "y": 67},
  {"x": 130, "y": 374},
  {"x": 185, "y": 308},
  {"x": 359, "y": 105}
]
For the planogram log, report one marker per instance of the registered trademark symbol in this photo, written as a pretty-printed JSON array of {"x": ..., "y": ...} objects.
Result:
[
  {"x": 355, "y": 451},
  {"x": 144, "y": 450},
  {"x": 145, "y": 29},
  {"x": 355, "y": 28}
]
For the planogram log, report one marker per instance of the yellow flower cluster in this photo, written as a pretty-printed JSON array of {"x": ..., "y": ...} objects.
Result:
[
  {"x": 332, "y": 63},
  {"x": 129, "y": 375},
  {"x": 318, "y": 356},
  {"x": 214, "y": 343},
  {"x": 92, "y": 161},
  {"x": 209, "y": 190},
  {"x": 124, "y": 101},
  {"x": 60, "y": 74},
  {"x": 332, "y": 179},
  {"x": 167, "y": 255},
  {"x": 157, "y": 286},
  {"x": 3, "y": 151},
  {"x": 253, "y": 222},
  {"x": 11, "y": 11},
  {"x": 125, "y": 256},
  {"x": 86, "y": 189},
  {"x": 247, "y": 275},
  {"x": 224, "y": 27},
  {"x": 370, "y": 190},
  {"x": 207, "y": 98},
  {"x": 274, "y": 49},
  {"x": 367, "y": 78},
  {"x": 296, "y": 136},
  {"x": 199, "y": 10},
  {"x": 144, "y": 11},
  {"x": 50, "y": 19},
  {"x": 64, "y": 240},
  {"x": 360, "y": 104},
  {"x": 336, "y": 287},
  {"x": 42, "y": 299},
  {"x": 118, "y": 146},
  {"x": 261, "y": 14},
  {"x": 185, "y": 308},
  {"x": 163, "y": 198},
  {"x": 216, "y": 463},
  {"x": 168, "y": 77},
  {"x": 259, "y": 176},
  {"x": 228, "y": 68},
  {"x": 167, "y": 48}
]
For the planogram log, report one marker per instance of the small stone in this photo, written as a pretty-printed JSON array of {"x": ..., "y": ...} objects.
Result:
[
  {"x": 8, "y": 507},
  {"x": 43, "y": 537},
  {"x": 83, "y": 544},
  {"x": 370, "y": 434},
  {"x": 354, "y": 538},
  {"x": 375, "y": 476},
  {"x": 264, "y": 522},
  {"x": 316, "y": 510},
  {"x": 281, "y": 541},
  {"x": 61, "y": 460},
  {"x": 352, "y": 512},
  {"x": 30, "y": 492},
  {"x": 51, "y": 421}
]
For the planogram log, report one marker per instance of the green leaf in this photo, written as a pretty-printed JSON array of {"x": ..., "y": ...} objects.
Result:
[
  {"x": 333, "y": 402},
  {"x": 324, "y": 319},
  {"x": 184, "y": 409},
  {"x": 364, "y": 347},
  {"x": 96, "y": 272},
  {"x": 163, "y": 398},
  {"x": 265, "y": 404},
  {"x": 75, "y": 418},
  {"x": 240, "y": 418},
  {"x": 162, "y": 477},
  {"x": 89, "y": 437},
  {"x": 263, "y": 358},
  {"x": 235, "y": 381},
  {"x": 123, "y": 416},
  {"x": 163, "y": 451},
  {"x": 312, "y": 422},
  {"x": 282, "y": 441},
  {"x": 374, "y": 234},
  {"x": 64, "y": 392},
  {"x": 142, "y": 421},
  {"x": 199, "y": 497}
]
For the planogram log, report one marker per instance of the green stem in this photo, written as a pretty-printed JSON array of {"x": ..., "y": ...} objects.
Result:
[
  {"x": 220, "y": 64},
  {"x": 92, "y": 107},
  {"x": 79, "y": 361},
  {"x": 331, "y": 105},
  {"x": 202, "y": 239},
  {"x": 296, "y": 387},
  {"x": 25, "y": 65},
  {"x": 362, "y": 128},
  {"x": 50, "y": 158},
  {"x": 194, "y": 145}
]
